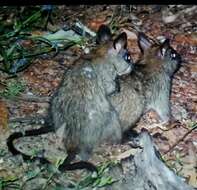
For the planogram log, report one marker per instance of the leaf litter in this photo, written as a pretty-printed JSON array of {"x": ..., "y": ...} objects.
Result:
[{"x": 43, "y": 76}]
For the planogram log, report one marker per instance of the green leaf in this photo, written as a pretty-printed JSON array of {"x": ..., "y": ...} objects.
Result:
[
  {"x": 13, "y": 89},
  {"x": 32, "y": 174}
]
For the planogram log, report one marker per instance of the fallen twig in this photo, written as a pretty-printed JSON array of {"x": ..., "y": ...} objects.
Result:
[
  {"x": 181, "y": 139},
  {"x": 39, "y": 119},
  {"x": 32, "y": 98}
]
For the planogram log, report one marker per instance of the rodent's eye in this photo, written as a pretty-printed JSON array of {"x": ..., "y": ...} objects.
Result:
[
  {"x": 173, "y": 55},
  {"x": 127, "y": 57}
]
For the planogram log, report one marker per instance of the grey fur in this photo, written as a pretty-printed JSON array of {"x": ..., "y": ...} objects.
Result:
[
  {"x": 82, "y": 114},
  {"x": 149, "y": 84},
  {"x": 87, "y": 110}
]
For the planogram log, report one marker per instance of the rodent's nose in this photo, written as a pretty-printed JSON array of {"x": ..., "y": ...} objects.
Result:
[{"x": 127, "y": 70}]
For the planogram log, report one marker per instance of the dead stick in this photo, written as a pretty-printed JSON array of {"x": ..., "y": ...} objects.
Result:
[
  {"x": 181, "y": 139},
  {"x": 32, "y": 98},
  {"x": 37, "y": 119}
]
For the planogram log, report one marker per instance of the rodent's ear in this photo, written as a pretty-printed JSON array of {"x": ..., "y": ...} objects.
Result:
[
  {"x": 164, "y": 47},
  {"x": 143, "y": 42},
  {"x": 120, "y": 42},
  {"x": 103, "y": 34}
]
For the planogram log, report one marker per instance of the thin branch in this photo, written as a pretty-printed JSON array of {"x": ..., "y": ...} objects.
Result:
[
  {"x": 32, "y": 98},
  {"x": 181, "y": 139},
  {"x": 38, "y": 119}
]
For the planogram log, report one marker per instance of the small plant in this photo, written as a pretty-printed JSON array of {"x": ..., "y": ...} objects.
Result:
[
  {"x": 15, "y": 56},
  {"x": 13, "y": 89},
  {"x": 192, "y": 124},
  {"x": 99, "y": 180},
  {"x": 9, "y": 183},
  {"x": 91, "y": 180}
]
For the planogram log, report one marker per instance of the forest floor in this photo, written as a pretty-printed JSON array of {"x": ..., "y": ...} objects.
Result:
[{"x": 43, "y": 76}]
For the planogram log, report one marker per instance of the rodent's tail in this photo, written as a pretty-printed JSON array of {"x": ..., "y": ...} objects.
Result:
[
  {"x": 33, "y": 132},
  {"x": 43, "y": 130},
  {"x": 78, "y": 165},
  {"x": 10, "y": 144}
]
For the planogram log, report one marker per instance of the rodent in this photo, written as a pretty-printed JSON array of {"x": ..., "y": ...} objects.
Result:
[{"x": 149, "y": 85}]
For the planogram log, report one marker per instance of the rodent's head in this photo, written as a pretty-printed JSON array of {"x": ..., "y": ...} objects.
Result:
[
  {"x": 113, "y": 51},
  {"x": 158, "y": 56}
]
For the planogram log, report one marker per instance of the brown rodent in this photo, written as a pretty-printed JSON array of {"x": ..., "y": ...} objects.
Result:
[{"x": 149, "y": 84}]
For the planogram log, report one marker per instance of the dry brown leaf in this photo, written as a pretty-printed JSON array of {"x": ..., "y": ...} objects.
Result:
[
  {"x": 3, "y": 115},
  {"x": 189, "y": 167},
  {"x": 125, "y": 154},
  {"x": 190, "y": 39},
  {"x": 193, "y": 67}
]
